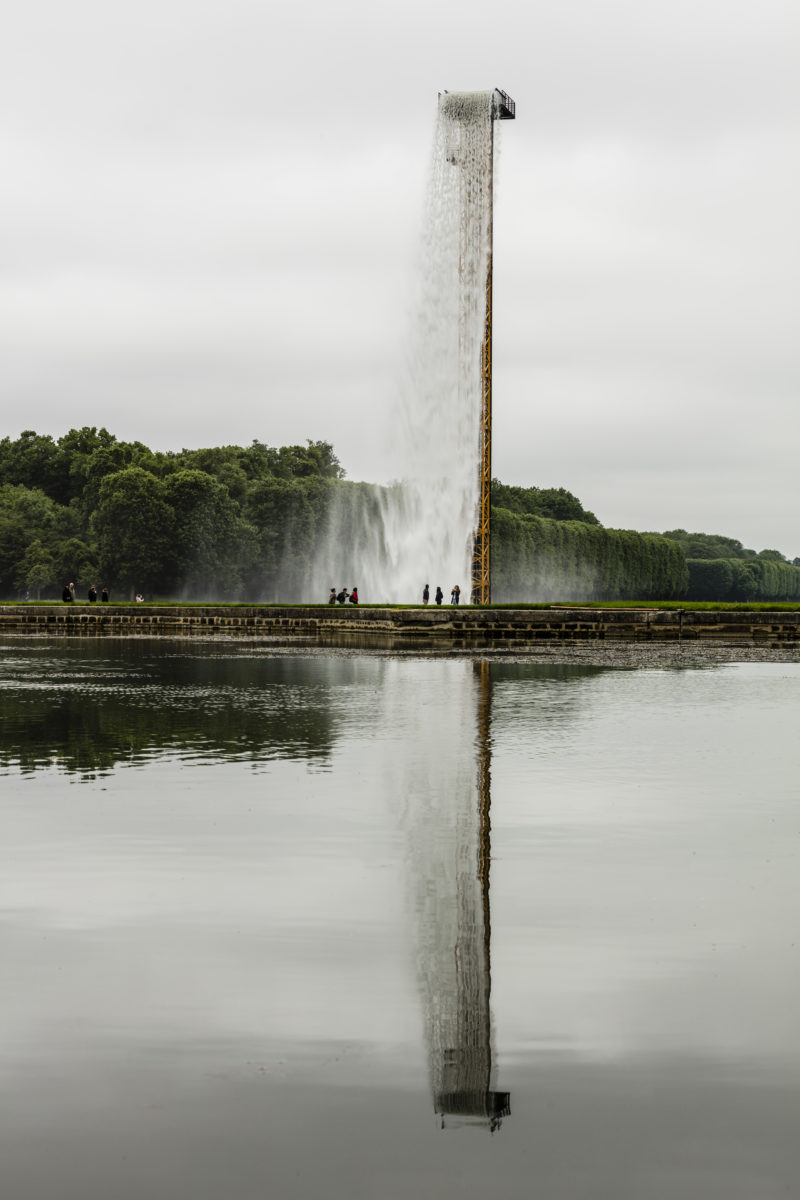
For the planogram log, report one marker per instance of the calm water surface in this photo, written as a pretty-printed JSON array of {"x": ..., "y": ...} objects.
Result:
[{"x": 301, "y": 925}]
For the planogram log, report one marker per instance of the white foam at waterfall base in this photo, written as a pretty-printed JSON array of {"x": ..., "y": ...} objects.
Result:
[{"x": 420, "y": 530}]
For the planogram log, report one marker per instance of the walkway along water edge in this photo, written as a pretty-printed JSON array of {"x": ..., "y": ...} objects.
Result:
[{"x": 462, "y": 627}]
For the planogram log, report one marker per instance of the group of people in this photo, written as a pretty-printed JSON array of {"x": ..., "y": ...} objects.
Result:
[
  {"x": 342, "y": 596},
  {"x": 455, "y": 594},
  {"x": 68, "y": 594}
]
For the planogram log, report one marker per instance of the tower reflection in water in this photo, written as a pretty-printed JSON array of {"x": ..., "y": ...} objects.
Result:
[{"x": 450, "y": 844}]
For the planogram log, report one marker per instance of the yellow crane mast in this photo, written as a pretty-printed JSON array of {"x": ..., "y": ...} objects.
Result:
[{"x": 503, "y": 109}]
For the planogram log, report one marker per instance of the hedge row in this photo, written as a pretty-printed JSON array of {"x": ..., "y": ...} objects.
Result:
[
  {"x": 742, "y": 579},
  {"x": 537, "y": 559}
]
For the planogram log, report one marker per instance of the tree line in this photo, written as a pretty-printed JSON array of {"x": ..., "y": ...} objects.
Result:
[
  {"x": 89, "y": 508},
  {"x": 721, "y": 568},
  {"x": 247, "y": 523}
]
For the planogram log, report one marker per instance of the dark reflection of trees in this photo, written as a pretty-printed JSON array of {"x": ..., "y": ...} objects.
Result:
[
  {"x": 503, "y": 672},
  {"x": 87, "y": 708}
]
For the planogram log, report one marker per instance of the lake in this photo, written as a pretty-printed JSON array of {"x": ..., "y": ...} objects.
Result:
[{"x": 288, "y": 923}]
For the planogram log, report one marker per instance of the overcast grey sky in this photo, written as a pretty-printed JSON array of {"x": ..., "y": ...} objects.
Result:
[{"x": 211, "y": 216}]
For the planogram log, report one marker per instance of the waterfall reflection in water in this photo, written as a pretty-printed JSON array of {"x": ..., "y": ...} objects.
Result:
[{"x": 447, "y": 822}]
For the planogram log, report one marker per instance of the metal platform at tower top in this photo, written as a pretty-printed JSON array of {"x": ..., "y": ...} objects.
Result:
[{"x": 504, "y": 108}]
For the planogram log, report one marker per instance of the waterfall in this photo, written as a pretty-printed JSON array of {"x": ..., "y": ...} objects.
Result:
[{"x": 420, "y": 530}]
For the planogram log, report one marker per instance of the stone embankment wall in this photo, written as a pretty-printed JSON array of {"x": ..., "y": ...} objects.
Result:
[{"x": 454, "y": 627}]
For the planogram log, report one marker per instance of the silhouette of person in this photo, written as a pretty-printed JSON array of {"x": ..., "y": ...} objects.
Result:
[
  {"x": 439, "y": 597},
  {"x": 426, "y": 594},
  {"x": 354, "y": 596}
]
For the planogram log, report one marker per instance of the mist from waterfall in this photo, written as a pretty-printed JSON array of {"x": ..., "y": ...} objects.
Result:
[{"x": 420, "y": 529}]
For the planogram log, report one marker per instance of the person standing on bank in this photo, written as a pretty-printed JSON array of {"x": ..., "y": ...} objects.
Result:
[
  {"x": 426, "y": 594},
  {"x": 439, "y": 597},
  {"x": 354, "y": 596},
  {"x": 332, "y": 597},
  {"x": 456, "y": 594},
  {"x": 92, "y": 594},
  {"x": 66, "y": 595},
  {"x": 104, "y": 596},
  {"x": 341, "y": 596}
]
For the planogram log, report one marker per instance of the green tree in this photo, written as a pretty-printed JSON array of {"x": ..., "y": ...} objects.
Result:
[
  {"x": 26, "y": 514},
  {"x": 14, "y": 541},
  {"x": 76, "y": 448},
  {"x": 90, "y": 471},
  {"x": 213, "y": 549},
  {"x": 301, "y": 462},
  {"x": 556, "y": 503},
  {"x": 133, "y": 527},
  {"x": 258, "y": 460},
  {"x": 32, "y": 461},
  {"x": 282, "y": 513},
  {"x": 35, "y": 509},
  {"x": 75, "y": 562},
  {"x": 36, "y": 570},
  {"x": 708, "y": 545}
]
